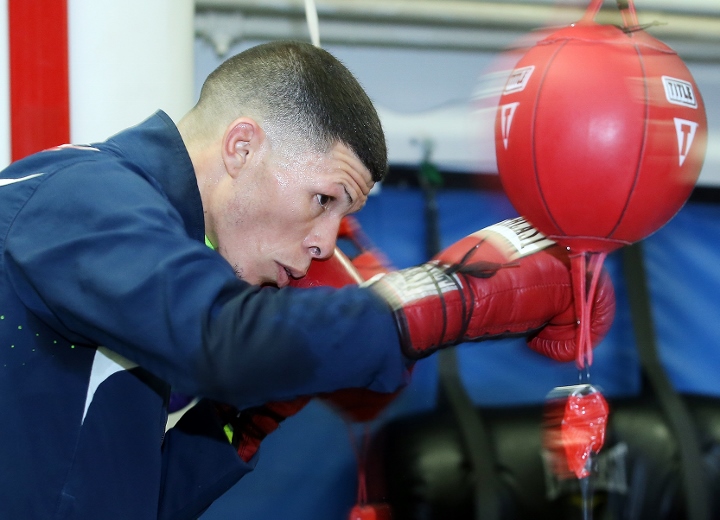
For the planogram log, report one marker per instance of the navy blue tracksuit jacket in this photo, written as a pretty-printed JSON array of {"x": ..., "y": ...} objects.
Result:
[{"x": 108, "y": 298}]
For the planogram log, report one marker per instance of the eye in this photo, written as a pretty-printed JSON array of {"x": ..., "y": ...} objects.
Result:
[{"x": 323, "y": 200}]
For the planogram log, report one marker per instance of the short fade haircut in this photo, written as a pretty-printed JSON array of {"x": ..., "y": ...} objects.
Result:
[{"x": 298, "y": 93}]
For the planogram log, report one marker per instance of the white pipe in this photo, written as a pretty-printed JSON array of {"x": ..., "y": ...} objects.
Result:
[
  {"x": 432, "y": 24},
  {"x": 472, "y": 12}
]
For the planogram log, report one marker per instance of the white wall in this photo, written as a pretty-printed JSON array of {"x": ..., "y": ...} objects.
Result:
[
  {"x": 707, "y": 77},
  {"x": 128, "y": 59}
]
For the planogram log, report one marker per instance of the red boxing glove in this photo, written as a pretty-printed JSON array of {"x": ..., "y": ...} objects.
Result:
[
  {"x": 358, "y": 404},
  {"x": 557, "y": 339},
  {"x": 246, "y": 429},
  {"x": 336, "y": 271},
  {"x": 504, "y": 280},
  {"x": 367, "y": 259}
]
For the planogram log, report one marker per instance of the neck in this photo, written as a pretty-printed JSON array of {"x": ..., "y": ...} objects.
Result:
[{"x": 200, "y": 152}]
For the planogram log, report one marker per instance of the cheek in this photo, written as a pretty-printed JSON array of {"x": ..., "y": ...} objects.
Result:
[
  {"x": 286, "y": 231},
  {"x": 276, "y": 217},
  {"x": 292, "y": 213}
]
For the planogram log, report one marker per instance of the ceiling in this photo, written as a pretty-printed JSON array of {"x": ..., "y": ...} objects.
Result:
[{"x": 691, "y": 27}]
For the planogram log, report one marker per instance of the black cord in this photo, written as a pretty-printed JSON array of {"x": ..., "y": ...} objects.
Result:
[{"x": 697, "y": 497}]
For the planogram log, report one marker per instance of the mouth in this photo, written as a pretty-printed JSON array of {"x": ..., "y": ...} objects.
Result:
[{"x": 285, "y": 274}]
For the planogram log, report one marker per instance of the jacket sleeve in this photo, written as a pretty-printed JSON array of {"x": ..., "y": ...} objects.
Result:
[{"x": 103, "y": 257}]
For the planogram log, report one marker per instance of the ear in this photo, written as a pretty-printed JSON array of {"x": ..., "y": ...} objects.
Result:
[{"x": 241, "y": 142}]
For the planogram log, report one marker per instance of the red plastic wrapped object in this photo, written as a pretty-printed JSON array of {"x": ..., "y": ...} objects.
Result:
[
  {"x": 574, "y": 429},
  {"x": 371, "y": 512}
]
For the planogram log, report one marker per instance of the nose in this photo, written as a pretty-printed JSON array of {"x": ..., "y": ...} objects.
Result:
[{"x": 321, "y": 241}]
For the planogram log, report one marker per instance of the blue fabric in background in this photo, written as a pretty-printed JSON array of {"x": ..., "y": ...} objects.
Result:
[
  {"x": 683, "y": 265},
  {"x": 307, "y": 469}
]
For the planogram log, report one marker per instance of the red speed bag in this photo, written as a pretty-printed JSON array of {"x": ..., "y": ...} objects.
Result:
[{"x": 600, "y": 135}]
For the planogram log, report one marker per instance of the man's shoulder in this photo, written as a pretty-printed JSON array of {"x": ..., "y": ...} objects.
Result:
[
  {"x": 77, "y": 184},
  {"x": 44, "y": 165}
]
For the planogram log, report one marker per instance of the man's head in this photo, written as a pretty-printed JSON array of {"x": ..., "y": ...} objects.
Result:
[{"x": 284, "y": 142}]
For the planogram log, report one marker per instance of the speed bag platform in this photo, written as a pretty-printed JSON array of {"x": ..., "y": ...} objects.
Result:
[{"x": 418, "y": 465}]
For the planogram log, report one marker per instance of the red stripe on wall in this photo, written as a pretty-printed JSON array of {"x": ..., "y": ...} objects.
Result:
[{"x": 39, "y": 80}]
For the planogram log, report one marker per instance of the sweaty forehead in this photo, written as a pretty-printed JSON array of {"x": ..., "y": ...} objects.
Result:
[{"x": 353, "y": 171}]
